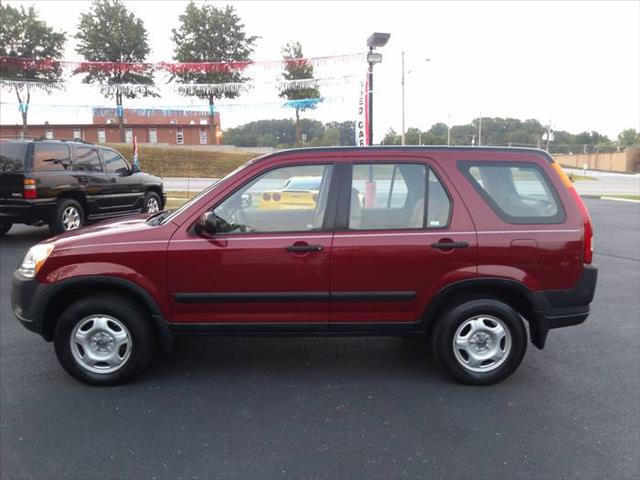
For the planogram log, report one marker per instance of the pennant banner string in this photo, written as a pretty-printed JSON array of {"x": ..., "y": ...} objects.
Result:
[{"x": 171, "y": 67}]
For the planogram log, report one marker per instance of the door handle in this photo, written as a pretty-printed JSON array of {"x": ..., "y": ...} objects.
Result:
[
  {"x": 449, "y": 245},
  {"x": 304, "y": 248}
]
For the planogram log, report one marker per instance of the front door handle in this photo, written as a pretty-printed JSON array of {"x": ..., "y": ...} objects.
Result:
[
  {"x": 304, "y": 248},
  {"x": 449, "y": 245}
]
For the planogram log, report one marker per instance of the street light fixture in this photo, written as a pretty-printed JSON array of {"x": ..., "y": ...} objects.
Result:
[{"x": 375, "y": 40}]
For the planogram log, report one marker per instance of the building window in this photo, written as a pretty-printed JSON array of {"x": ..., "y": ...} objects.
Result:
[
  {"x": 48, "y": 134},
  {"x": 173, "y": 122},
  {"x": 179, "y": 136},
  {"x": 77, "y": 134},
  {"x": 153, "y": 135},
  {"x": 203, "y": 121},
  {"x": 102, "y": 136},
  {"x": 203, "y": 136},
  {"x": 128, "y": 135}
]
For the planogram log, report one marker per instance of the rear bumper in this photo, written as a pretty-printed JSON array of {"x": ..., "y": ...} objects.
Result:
[
  {"x": 27, "y": 211},
  {"x": 564, "y": 308}
]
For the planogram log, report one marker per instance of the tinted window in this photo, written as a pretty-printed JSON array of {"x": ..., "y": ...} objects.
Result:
[
  {"x": 87, "y": 160},
  {"x": 113, "y": 162},
  {"x": 12, "y": 156},
  {"x": 517, "y": 193},
  {"x": 266, "y": 205},
  {"x": 51, "y": 157}
]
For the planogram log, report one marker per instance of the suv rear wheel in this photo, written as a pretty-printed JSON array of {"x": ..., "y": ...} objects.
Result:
[
  {"x": 480, "y": 342},
  {"x": 4, "y": 227},
  {"x": 103, "y": 340},
  {"x": 68, "y": 216}
]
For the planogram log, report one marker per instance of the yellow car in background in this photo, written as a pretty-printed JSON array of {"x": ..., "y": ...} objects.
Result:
[{"x": 298, "y": 193}]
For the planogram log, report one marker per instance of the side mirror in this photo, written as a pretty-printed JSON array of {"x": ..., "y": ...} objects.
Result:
[{"x": 208, "y": 224}]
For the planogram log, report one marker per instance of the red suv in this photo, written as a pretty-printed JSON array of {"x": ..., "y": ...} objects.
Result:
[{"x": 465, "y": 246}]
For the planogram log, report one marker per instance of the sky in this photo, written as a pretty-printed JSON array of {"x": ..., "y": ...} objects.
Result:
[{"x": 573, "y": 64}]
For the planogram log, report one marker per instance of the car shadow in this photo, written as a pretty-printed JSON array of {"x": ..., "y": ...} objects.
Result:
[{"x": 320, "y": 358}]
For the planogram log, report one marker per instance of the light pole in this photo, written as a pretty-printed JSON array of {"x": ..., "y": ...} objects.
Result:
[
  {"x": 403, "y": 103},
  {"x": 374, "y": 41}
]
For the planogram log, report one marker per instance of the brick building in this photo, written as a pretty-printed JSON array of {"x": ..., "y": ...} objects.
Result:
[{"x": 156, "y": 126}]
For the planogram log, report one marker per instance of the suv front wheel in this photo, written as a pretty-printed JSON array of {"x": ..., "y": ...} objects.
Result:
[
  {"x": 103, "y": 340},
  {"x": 68, "y": 216},
  {"x": 151, "y": 202},
  {"x": 480, "y": 342}
]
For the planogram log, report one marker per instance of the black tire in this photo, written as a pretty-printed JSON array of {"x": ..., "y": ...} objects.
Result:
[
  {"x": 149, "y": 198},
  {"x": 4, "y": 227},
  {"x": 57, "y": 224},
  {"x": 512, "y": 347},
  {"x": 116, "y": 307}
]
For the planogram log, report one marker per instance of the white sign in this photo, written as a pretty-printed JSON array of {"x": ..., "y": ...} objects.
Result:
[{"x": 362, "y": 119}]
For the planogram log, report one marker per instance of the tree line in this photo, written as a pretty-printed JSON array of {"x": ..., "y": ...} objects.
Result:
[{"x": 109, "y": 32}]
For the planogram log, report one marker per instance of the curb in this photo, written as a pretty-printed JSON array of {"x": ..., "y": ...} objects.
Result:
[{"x": 606, "y": 197}]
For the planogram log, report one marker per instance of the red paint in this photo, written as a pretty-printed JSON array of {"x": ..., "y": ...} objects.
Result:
[{"x": 170, "y": 258}]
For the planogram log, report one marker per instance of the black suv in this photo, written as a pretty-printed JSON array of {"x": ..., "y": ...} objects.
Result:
[{"x": 68, "y": 183}]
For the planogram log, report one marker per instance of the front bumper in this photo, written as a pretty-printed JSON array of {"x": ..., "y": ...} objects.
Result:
[
  {"x": 26, "y": 295},
  {"x": 563, "y": 308}
]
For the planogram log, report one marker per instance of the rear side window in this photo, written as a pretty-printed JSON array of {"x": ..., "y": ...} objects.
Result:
[
  {"x": 87, "y": 160},
  {"x": 394, "y": 196},
  {"x": 12, "y": 156},
  {"x": 51, "y": 157},
  {"x": 518, "y": 193},
  {"x": 113, "y": 162}
]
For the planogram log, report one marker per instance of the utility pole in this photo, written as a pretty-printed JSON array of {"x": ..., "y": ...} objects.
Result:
[
  {"x": 402, "y": 83},
  {"x": 448, "y": 129},
  {"x": 480, "y": 130}
]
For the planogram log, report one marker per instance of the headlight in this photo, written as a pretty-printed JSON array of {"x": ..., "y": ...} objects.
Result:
[{"x": 35, "y": 258}]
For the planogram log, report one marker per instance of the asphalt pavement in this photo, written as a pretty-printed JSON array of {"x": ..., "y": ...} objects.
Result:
[{"x": 374, "y": 408}]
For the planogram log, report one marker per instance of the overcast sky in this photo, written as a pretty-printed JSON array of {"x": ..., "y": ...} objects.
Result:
[{"x": 576, "y": 64}]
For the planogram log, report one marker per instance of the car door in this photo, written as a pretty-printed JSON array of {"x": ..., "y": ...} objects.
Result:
[
  {"x": 271, "y": 265},
  {"x": 90, "y": 174},
  {"x": 402, "y": 233},
  {"x": 125, "y": 187}
]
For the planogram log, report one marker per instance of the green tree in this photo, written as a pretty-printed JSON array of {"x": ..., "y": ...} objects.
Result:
[
  {"x": 629, "y": 137},
  {"x": 296, "y": 68},
  {"x": 24, "y": 35},
  {"x": 210, "y": 34},
  {"x": 109, "y": 32},
  {"x": 391, "y": 138}
]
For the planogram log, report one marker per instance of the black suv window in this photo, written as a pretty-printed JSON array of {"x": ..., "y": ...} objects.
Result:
[
  {"x": 87, "y": 160},
  {"x": 51, "y": 157},
  {"x": 12, "y": 156},
  {"x": 113, "y": 162}
]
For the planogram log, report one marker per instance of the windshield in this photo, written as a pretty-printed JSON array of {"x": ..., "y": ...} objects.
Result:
[{"x": 204, "y": 192}]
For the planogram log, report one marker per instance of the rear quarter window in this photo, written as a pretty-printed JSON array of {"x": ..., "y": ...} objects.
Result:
[
  {"x": 51, "y": 157},
  {"x": 518, "y": 193},
  {"x": 12, "y": 156}
]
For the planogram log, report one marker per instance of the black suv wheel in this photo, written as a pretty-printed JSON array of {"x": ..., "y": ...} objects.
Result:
[
  {"x": 68, "y": 216},
  {"x": 103, "y": 340},
  {"x": 152, "y": 203},
  {"x": 4, "y": 227},
  {"x": 480, "y": 342}
]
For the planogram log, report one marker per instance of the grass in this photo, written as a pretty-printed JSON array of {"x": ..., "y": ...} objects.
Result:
[
  {"x": 625, "y": 197},
  {"x": 580, "y": 178},
  {"x": 175, "y": 199},
  {"x": 183, "y": 161}
]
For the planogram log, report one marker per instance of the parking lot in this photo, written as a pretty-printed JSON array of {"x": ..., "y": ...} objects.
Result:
[{"x": 346, "y": 407}]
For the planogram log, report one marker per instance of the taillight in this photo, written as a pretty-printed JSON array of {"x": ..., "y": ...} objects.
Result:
[
  {"x": 266, "y": 197},
  {"x": 276, "y": 197},
  {"x": 29, "y": 188},
  {"x": 587, "y": 240}
]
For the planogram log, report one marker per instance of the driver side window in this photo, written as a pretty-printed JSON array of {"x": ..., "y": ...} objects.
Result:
[{"x": 286, "y": 199}]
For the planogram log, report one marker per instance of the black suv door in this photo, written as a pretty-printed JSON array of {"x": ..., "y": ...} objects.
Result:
[
  {"x": 125, "y": 187},
  {"x": 95, "y": 183}
]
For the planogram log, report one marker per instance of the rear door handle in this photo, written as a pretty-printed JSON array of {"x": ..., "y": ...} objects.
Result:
[
  {"x": 449, "y": 245},
  {"x": 304, "y": 248}
]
